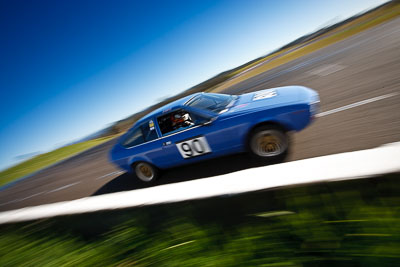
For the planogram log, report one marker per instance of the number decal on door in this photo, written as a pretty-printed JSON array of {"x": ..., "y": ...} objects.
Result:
[{"x": 193, "y": 147}]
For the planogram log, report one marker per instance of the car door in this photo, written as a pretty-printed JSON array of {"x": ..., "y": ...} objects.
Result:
[{"x": 186, "y": 143}]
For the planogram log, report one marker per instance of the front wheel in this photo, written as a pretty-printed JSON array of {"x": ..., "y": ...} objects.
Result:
[
  {"x": 146, "y": 172},
  {"x": 269, "y": 143}
]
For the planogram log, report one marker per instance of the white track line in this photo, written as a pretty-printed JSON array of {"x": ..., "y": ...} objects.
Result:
[
  {"x": 22, "y": 199},
  {"x": 109, "y": 174},
  {"x": 57, "y": 189},
  {"x": 63, "y": 187},
  {"x": 353, "y": 165},
  {"x": 360, "y": 103}
]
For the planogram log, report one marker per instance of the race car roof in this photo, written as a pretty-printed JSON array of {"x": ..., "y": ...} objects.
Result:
[{"x": 168, "y": 107}]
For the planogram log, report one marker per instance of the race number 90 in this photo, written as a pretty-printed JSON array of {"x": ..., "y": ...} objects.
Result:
[{"x": 193, "y": 147}]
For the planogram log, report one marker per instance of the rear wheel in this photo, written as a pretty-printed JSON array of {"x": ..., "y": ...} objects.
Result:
[
  {"x": 269, "y": 143},
  {"x": 146, "y": 172}
]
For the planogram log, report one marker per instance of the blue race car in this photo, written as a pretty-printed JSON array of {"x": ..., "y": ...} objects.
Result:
[{"x": 207, "y": 125}]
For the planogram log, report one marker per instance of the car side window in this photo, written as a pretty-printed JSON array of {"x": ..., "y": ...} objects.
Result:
[
  {"x": 176, "y": 121},
  {"x": 134, "y": 138},
  {"x": 149, "y": 131},
  {"x": 144, "y": 133}
]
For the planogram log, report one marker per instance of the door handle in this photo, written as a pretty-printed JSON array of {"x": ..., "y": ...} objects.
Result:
[{"x": 167, "y": 143}]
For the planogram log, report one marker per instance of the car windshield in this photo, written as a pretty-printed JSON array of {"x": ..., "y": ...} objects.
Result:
[{"x": 212, "y": 102}]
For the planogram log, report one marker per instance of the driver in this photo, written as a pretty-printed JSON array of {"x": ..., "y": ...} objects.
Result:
[{"x": 181, "y": 120}]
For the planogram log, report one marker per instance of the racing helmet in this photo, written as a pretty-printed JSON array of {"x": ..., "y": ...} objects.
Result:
[{"x": 180, "y": 118}]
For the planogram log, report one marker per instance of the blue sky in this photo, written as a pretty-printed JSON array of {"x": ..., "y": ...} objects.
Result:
[{"x": 70, "y": 68}]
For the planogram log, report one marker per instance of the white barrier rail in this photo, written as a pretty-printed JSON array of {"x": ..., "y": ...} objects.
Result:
[{"x": 351, "y": 165}]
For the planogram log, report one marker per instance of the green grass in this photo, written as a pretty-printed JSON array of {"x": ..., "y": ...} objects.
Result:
[
  {"x": 347, "y": 223},
  {"x": 43, "y": 160}
]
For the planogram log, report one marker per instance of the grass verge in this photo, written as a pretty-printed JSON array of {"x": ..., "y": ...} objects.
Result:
[
  {"x": 277, "y": 59},
  {"x": 44, "y": 160},
  {"x": 346, "y": 223}
]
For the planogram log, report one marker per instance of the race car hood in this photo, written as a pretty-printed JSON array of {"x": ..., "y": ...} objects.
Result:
[{"x": 269, "y": 97}]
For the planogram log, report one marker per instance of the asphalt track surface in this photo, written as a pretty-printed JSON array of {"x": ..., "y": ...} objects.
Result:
[{"x": 358, "y": 80}]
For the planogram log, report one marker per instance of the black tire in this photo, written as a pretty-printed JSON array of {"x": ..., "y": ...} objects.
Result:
[
  {"x": 145, "y": 172},
  {"x": 269, "y": 143}
]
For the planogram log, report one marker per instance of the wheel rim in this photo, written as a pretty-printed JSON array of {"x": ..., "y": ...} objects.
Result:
[
  {"x": 144, "y": 172},
  {"x": 269, "y": 143}
]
